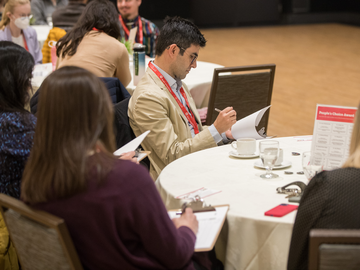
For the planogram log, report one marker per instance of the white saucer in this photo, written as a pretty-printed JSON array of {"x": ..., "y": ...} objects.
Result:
[
  {"x": 237, "y": 155},
  {"x": 283, "y": 165}
]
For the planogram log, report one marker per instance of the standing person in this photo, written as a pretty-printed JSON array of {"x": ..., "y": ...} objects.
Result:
[
  {"x": 111, "y": 207},
  {"x": 147, "y": 32},
  {"x": 42, "y": 10},
  {"x": 163, "y": 104},
  {"x": 17, "y": 128},
  {"x": 330, "y": 201},
  {"x": 92, "y": 43},
  {"x": 14, "y": 26}
]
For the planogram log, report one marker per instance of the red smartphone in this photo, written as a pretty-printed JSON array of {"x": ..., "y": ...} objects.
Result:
[{"x": 281, "y": 210}]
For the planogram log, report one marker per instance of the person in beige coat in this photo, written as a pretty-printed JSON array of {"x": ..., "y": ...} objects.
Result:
[{"x": 162, "y": 104}]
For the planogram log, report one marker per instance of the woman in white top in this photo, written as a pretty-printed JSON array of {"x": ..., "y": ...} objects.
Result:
[{"x": 14, "y": 27}]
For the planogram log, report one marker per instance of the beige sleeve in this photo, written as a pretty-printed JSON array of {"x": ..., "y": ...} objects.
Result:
[
  {"x": 151, "y": 113},
  {"x": 122, "y": 71}
]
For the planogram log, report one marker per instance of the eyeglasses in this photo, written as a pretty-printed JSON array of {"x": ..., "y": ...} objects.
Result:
[
  {"x": 26, "y": 17},
  {"x": 194, "y": 57}
]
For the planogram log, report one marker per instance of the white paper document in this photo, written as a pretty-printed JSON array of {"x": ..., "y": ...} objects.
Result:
[
  {"x": 201, "y": 192},
  {"x": 133, "y": 145},
  {"x": 210, "y": 224},
  {"x": 245, "y": 127}
]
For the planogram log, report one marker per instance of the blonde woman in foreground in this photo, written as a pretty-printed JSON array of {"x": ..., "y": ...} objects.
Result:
[{"x": 330, "y": 201}]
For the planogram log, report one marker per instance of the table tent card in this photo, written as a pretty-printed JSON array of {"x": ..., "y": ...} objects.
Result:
[
  {"x": 332, "y": 133},
  {"x": 245, "y": 127}
]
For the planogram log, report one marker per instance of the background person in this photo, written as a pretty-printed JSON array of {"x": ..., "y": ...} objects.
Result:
[
  {"x": 111, "y": 207},
  {"x": 63, "y": 18},
  {"x": 147, "y": 32},
  {"x": 162, "y": 103},
  {"x": 42, "y": 10},
  {"x": 14, "y": 26},
  {"x": 92, "y": 43},
  {"x": 17, "y": 127},
  {"x": 330, "y": 201}
]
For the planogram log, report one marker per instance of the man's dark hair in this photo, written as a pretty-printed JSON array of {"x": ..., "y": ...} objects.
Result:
[
  {"x": 181, "y": 32},
  {"x": 16, "y": 65},
  {"x": 99, "y": 14}
]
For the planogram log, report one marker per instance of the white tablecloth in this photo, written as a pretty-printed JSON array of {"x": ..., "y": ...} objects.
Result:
[
  {"x": 249, "y": 240},
  {"x": 198, "y": 81}
]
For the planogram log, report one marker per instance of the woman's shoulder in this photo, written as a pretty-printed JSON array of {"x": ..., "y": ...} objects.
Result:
[{"x": 19, "y": 121}]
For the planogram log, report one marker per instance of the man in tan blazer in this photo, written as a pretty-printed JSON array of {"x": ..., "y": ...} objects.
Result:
[{"x": 162, "y": 104}]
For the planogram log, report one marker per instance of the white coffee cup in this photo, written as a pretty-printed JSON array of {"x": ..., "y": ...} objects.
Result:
[
  {"x": 244, "y": 146},
  {"x": 280, "y": 158}
]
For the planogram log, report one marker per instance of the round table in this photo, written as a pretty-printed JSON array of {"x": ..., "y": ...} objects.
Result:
[
  {"x": 198, "y": 81},
  {"x": 249, "y": 239}
]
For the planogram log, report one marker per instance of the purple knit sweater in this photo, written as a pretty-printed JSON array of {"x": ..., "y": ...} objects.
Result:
[{"x": 123, "y": 224}]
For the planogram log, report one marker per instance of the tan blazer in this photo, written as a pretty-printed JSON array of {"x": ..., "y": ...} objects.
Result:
[{"x": 152, "y": 107}]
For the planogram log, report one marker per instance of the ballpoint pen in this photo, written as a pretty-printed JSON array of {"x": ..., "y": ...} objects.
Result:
[{"x": 216, "y": 109}]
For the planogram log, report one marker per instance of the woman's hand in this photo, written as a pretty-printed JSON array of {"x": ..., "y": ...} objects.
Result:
[
  {"x": 187, "y": 219},
  {"x": 129, "y": 156}
]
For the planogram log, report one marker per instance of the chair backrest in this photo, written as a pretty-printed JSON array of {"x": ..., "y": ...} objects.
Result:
[
  {"x": 116, "y": 89},
  {"x": 247, "y": 89},
  {"x": 334, "y": 249},
  {"x": 41, "y": 240}
]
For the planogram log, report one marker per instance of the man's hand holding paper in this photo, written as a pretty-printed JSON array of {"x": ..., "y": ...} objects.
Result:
[{"x": 225, "y": 120}]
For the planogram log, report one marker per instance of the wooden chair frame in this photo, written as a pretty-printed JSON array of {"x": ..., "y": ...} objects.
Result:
[
  {"x": 329, "y": 236},
  {"x": 218, "y": 71},
  {"x": 46, "y": 219}
]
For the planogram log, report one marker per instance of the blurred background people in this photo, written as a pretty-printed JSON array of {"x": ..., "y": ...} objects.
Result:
[
  {"x": 147, "y": 32},
  {"x": 14, "y": 26},
  {"x": 330, "y": 201},
  {"x": 105, "y": 202},
  {"x": 63, "y": 18},
  {"x": 67, "y": 17},
  {"x": 92, "y": 43},
  {"x": 42, "y": 10},
  {"x": 17, "y": 127}
]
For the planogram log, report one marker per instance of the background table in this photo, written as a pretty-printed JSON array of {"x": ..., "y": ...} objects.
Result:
[
  {"x": 198, "y": 81},
  {"x": 249, "y": 239}
]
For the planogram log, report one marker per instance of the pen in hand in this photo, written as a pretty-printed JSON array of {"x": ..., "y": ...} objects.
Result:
[{"x": 216, "y": 109}]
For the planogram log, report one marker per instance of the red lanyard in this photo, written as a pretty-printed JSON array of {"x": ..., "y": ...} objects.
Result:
[
  {"x": 95, "y": 29},
  {"x": 127, "y": 32},
  {"x": 189, "y": 116},
  {"x": 25, "y": 44}
]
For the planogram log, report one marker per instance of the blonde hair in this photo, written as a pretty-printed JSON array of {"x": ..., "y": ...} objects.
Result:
[
  {"x": 9, "y": 7},
  {"x": 354, "y": 151}
]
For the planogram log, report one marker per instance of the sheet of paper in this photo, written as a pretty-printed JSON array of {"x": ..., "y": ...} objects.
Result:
[
  {"x": 202, "y": 192},
  {"x": 133, "y": 145},
  {"x": 132, "y": 34},
  {"x": 332, "y": 134},
  {"x": 210, "y": 224},
  {"x": 245, "y": 127}
]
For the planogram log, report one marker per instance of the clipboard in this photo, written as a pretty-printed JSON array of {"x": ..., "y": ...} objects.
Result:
[{"x": 210, "y": 226}]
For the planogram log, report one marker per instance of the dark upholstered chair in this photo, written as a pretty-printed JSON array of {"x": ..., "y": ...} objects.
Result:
[
  {"x": 116, "y": 90},
  {"x": 41, "y": 240},
  {"x": 334, "y": 249},
  {"x": 247, "y": 89}
]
